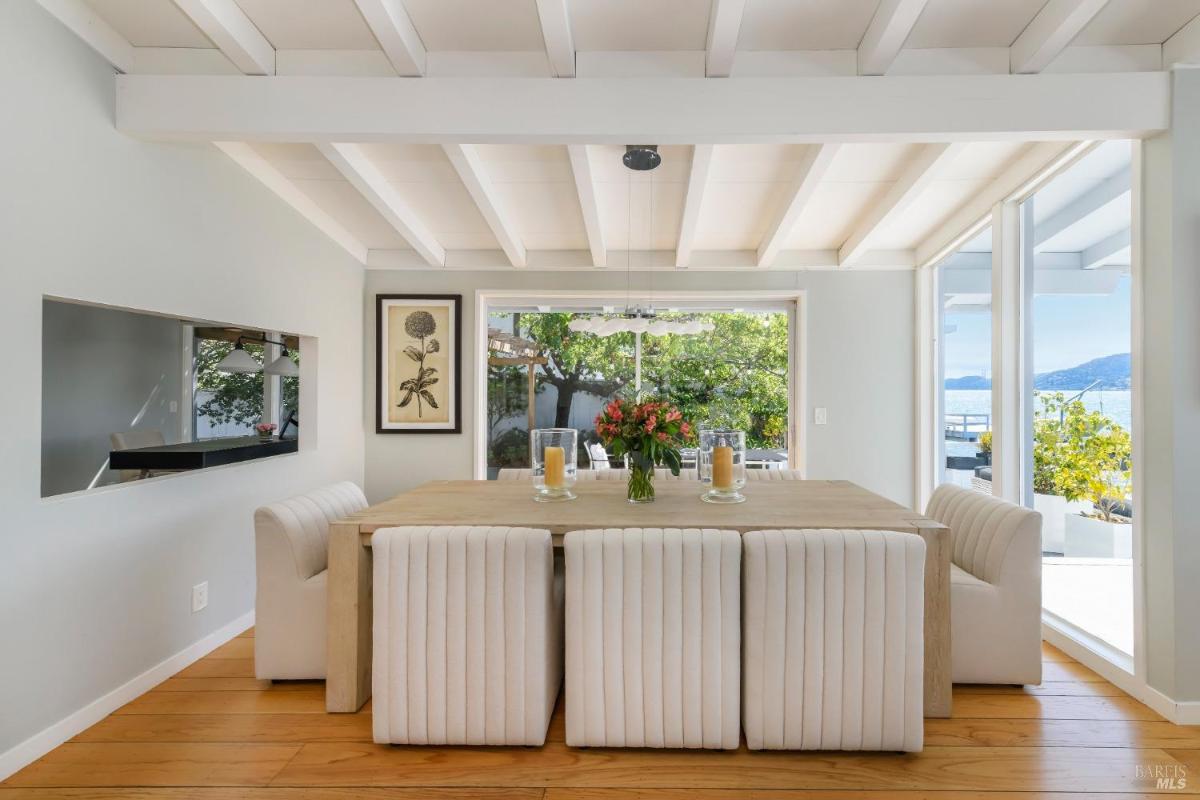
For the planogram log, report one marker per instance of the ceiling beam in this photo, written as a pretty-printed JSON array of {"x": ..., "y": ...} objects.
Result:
[
  {"x": 1109, "y": 190},
  {"x": 85, "y": 23},
  {"x": 1055, "y": 27},
  {"x": 469, "y": 166},
  {"x": 702, "y": 155},
  {"x": 393, "y": 29},
  {"x": 352, "y": 162},
  {"x": 556, "y": 31},
  {"x": 1183, "y": 48},
  {"x": 812, "y": 169},
  {"x": 885, "y": 36},
  {"x": 248, "y": 159},
  {"x": 724, "y": 24},
  {"x": 589, "y": 202},
  {"x": 744, "y": 261},
  {"x": 972, "y": 216},
  {"x": 224, "y": 22},
  {"x": 915, "y": 179},
  {"x": 1103, "y": 251},
  {"x": 663, "y": 110}
]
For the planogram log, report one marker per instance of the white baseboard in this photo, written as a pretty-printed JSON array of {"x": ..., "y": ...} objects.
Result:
[
  {"x": 39, "y": 744},
  {"x": 1116, "y": 668}
]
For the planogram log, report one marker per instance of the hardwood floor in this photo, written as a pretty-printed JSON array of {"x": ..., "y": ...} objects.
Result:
[{"x": 214, "y": 732}]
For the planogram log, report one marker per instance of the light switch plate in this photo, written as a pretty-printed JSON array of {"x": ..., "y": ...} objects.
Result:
[{"x": 819, "y": 416}]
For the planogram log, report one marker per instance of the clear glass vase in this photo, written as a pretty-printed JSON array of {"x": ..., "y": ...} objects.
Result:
[
  {"x": 722, "y": 464},
  {"x": 553, "y": 456},
  {"x": 640, "y": 488}
]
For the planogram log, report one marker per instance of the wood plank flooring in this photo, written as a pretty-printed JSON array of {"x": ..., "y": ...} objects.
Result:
[{"x": 214, "y": 732}]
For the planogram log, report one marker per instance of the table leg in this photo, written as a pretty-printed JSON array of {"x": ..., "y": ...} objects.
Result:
[
  {"x": 938, "y": 681},
  {"x": 348, "y": 654}
]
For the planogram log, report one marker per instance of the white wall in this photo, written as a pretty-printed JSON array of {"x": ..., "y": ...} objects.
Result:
[
  {"x": 95, "y": 588},
  {"x": 103, "y": 371},
  {"x": 860, "y": 367}
]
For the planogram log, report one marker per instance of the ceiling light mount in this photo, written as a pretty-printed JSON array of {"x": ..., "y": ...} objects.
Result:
[{"x": 641, "y": 157}]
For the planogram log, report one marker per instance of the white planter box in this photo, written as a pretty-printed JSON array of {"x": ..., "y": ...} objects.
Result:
[
  {"x": 1086, "y": 537},
  {"x": 1054, "y": 513}
]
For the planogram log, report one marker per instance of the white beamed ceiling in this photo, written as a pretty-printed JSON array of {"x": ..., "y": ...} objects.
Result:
[{"x": 747, "y": 185}]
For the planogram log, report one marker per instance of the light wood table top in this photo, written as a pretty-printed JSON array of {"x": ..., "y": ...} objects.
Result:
[{"x": 602, "y": 504}]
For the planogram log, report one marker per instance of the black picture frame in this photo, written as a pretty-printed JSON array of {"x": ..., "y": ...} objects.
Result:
[{"x": 455, "y": 348}]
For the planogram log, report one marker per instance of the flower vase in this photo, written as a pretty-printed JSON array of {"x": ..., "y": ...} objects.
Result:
[
  {"x": 265, "y": 437},
  {"x": 640, "y": 488}
]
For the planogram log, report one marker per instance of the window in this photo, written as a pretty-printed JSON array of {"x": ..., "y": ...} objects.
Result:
[
  {"x": 737, "y": 376},
  {"x": 966, "y": 364}
]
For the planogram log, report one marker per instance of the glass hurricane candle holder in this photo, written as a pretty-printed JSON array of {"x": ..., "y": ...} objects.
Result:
[
  {"x": 722, "y": 465},
  {"x": 553, "y": 455}
]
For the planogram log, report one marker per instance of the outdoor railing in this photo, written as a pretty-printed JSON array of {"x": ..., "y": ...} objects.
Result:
[{"x": 967, "y": 427}]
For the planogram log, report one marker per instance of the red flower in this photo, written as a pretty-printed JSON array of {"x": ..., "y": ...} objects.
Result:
[
  {"x": 685, "y": 429},
  {"x": 651, "y": 424},
  {"x": 673, "y": 415},
  {"x": 662, "y": 436}
]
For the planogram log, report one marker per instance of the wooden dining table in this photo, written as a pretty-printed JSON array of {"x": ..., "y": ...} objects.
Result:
[{"x": 601, "y": 504}]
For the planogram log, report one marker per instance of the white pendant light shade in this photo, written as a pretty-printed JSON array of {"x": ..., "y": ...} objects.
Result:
[
  {"x": 238, "y": 360},
  {"x": 283, "y": 367}
]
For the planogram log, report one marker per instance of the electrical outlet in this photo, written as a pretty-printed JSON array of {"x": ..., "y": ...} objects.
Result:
[
  {"x": 174, "y": 407},
  {"x": 199, "y": 597},
  {"x": 819, "y": 416}
]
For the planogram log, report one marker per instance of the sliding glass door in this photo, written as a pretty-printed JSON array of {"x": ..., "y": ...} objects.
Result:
[{"x": 1075, "y": 251}]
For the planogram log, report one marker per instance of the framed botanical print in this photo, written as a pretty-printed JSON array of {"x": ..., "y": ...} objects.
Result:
[{"x": 417, "y": 372}]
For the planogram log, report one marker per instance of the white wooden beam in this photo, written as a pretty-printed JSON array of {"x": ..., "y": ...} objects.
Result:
[
  {"x": 724, "y": 24},
  {"x": 812, "y": 169},
  {"x": 885, "y": 36},
  {"x": 1183, "y": 48},
  {"x": 1100, "y": 253},
  {"x": 352, "y": 162},
  {"x": 248, "y": 159},
  {"x": 743, "y": 261},
  {"x": 702, "y": 155},
  {"x": 556, "y": 31},
  {"x": 469, "y": 166},
  {"x": 972, "y": 216},
  {"x": 1008, "y": 354},
  {"x": 904, "y": 192},
  {"x": 589, "y": 202},
  {"x": 390, "y": 23},
  {"x": 663, "y": 110},
  {"x": 224, "y": 22},
  {"x": 1055, "y": 27},
  {"x": 1112, "y": 189},
  {"x": 85, "y": 23}
]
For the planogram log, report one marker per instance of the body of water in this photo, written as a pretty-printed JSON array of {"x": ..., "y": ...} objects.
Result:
[{"x": 1116, "y": 405}]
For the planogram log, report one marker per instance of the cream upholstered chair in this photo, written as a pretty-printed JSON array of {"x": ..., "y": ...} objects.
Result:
[
  {"x": 132, "y": 440},
  {"x": 995, "y": 587},
  {"x": 467, "y": 635},
  {"x": 834, "y": 640},
  {"x": 773, "y": 475},
  {"x": 291, "y": 548},
  {"x": 653, "y": 638}
]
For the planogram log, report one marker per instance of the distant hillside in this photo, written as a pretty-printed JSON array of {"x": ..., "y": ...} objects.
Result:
[
  {"x": 1112, "y": 372},
  {"x": 969, "y": 382}
]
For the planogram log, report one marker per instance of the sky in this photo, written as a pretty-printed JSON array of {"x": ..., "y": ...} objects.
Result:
[{"x": 1067, "y": 330}]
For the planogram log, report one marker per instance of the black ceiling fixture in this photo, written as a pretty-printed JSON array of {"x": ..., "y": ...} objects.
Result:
[{"x": 641, "y": 157}]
